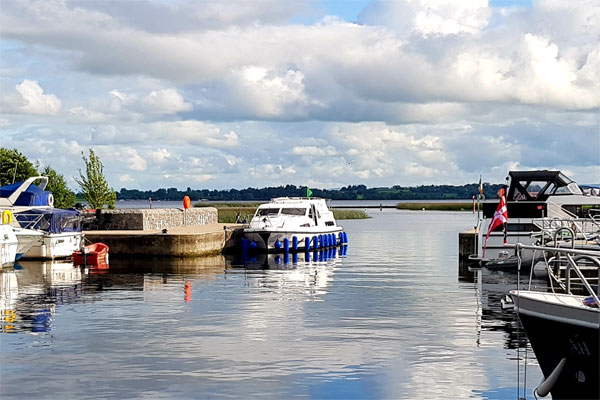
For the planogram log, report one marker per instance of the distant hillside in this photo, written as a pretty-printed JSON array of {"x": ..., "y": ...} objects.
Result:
[{"x": 352, "y": 192}]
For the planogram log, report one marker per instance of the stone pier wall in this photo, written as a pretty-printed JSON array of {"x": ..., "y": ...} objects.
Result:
[{"x": 145, "y": 219}]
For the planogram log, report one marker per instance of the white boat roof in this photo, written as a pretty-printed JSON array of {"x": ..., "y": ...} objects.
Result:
[
  {"x": 10, "y": 200},
  {"x": 293, "y": 201}
]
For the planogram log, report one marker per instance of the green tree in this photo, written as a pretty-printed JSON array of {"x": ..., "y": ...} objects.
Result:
[
  {"x": 63, "y": 196},
  {"x": 93, "y": 184},
  {"x": 14, "y": 165}
]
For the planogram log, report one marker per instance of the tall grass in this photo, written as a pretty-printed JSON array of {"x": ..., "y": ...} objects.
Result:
[
  {"x": 228, "y": 215},
  {"x": 339, "y": 213},
  {"x": 458, "y": 206}
]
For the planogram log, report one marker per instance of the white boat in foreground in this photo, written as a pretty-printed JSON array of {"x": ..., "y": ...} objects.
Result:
[
  {"x": 563, "y": 324},
  {"x": 293, "y": 223}
]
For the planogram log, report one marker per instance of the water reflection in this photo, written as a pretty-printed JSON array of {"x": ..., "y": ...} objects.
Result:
[
  {"x": 30, "y": 291},
  {"x": 389, "y": 321},
  {"x": 304, "y": 273}
]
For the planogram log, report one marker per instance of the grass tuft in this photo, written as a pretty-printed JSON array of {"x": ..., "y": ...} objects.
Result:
[{"x": 435, "y": 206}]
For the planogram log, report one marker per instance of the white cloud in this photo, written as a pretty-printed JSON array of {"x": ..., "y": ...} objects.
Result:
[
  {"x": 35, "y": 101},
  {"x": 126, "y": 178},
  {"x": 314, "y": 151},
  {"x": 160, "y": 155},
  {"x": 428, "y": 17},
  {"x": 413, "y": 92},
  {"x": 268, "y": 93},
  {"x": 194, "y": 133},
  {"x": 166, "y": 101}
]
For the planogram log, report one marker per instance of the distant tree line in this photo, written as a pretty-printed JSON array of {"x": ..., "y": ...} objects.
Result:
[{"x": 352, "y": 192}]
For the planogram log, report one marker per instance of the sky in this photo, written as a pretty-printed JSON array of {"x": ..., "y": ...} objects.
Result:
[{"x": 254, "y": 93}]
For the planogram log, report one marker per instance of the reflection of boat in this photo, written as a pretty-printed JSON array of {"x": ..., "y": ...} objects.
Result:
[
  {"x": 536, "y": 201},
  {"x": 304, "y": 272},
  {"x": 293, "y": 223},
  {"x": 31, "y": 290},
  {"x": 563, "y": 327},
  {"x": 95, "y": 254},
  {"x": 290, "y": 260},
  {"x": 42, "y": 230}
]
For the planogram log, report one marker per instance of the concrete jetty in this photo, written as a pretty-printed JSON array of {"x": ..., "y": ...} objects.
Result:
[
  {"x": 183, "y": 241},
  {"x": 172, "y": 232}
]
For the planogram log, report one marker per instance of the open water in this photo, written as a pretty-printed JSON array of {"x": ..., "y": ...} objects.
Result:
[{"x": 390, "y": 320}]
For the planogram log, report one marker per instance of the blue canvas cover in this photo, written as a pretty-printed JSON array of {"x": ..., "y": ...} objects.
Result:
[
  {"x": 33, "y": 196},
  {"x": 54, "y": 220}
]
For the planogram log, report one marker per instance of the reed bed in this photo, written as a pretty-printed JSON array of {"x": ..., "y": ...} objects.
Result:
[
  {"x": 228, "y": 215},
  {"x": 458, "y": 206},
  {"x": 339, "y": 213}
]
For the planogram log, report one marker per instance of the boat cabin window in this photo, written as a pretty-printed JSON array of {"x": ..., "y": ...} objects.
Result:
[
  {"x": 267, "y": 211},
  {"x": 293, "y": 211},
  {"x": 533, "y": 190},
  {"x": 571, "y": 188}
]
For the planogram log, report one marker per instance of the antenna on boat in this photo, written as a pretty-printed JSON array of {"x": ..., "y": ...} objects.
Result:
[{"x": 15, "y": 171}]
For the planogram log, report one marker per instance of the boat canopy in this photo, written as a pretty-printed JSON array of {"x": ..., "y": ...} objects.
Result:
[
  {"x": 53, "y": 220},
  {"x": 33, "y": 196},
  {"x": 539, "y": 185}
]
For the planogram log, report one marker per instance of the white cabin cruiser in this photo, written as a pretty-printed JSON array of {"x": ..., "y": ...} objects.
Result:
[
  {"x": 537, "y": 201},
  {"x": 293, "y": 223},
  {"x": 42, "y": 231},
  {"x": 8, "y": 245}
]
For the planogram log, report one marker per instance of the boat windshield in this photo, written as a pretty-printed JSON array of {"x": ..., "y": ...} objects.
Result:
[
  {"x": 293, "y": 211},
  {"x": 267, "y": 211},
  {"x": 571, "y": 188}
]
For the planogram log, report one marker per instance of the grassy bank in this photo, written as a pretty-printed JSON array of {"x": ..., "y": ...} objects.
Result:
[
  {"x": 458, "y": 206},
  {"x": 349, "y": 214},
  {"x": 228, "y": 212}
]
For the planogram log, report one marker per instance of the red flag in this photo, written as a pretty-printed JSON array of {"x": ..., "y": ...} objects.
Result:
[{"x": 500, "y": 218}]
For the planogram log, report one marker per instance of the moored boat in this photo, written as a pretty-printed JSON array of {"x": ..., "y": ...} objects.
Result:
[
  {"x": 293, "y": 223},
  {"x": 43, "y": 232},
  {"x": 8, "y": 245},
  {"x": 537, "y": 202},
  {"x": 563, "y": 326}
]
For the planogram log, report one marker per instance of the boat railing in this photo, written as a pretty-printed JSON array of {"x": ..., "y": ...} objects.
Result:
[
  {"x": 572, "y": 260},
  {"x": 594, "y": 215},
  {"x": 583, "y": 228},
  {"x": 32, "y": 221},
  {"x": 42, "y": 222}
]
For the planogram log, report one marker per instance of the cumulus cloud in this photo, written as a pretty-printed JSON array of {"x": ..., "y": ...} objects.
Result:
[
  {"x": 165, "y": 101},
  {"x": 314, "y": 151},
  {"x": 160, "y": 155},
  {"x": 35, "y": 101},
  {"x": 428, "y": 17},
  {"x": 413, "y": 91},
  {"x": 194, "y": 133}
]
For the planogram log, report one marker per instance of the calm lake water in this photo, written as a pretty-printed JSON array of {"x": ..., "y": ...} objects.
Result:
[{"x": 390, "y": 320}]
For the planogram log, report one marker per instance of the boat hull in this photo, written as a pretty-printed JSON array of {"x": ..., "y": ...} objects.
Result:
[
  {"x": 557, "y": 331},
  {"x": 8, "y": 245},
  {"x": 52, "y": 245},
  {"x": 266, "y": 240}
]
